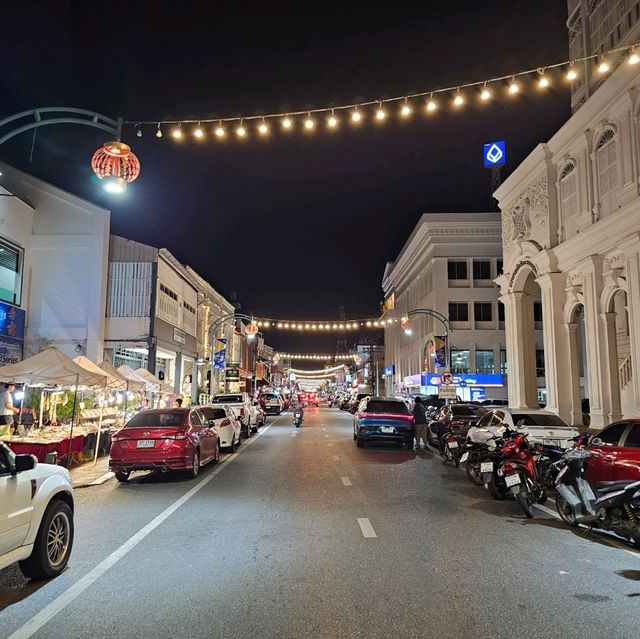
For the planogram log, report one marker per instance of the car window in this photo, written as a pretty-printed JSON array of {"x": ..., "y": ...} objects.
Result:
[
  {"x": 467, "y": 411},
  {"x": 194, "y": 419},
  {"x": 381, "y": 406},
  {"x": 611, "y": 436},
  {"x": 148, "y": 419},
  {"x": 213, "y": 413},
  {"x": 538, "y": 419},
  {"x": 227, "y": 399},
  {"x": 485, "y": 420},
  {"x": 633, "y": 437}
]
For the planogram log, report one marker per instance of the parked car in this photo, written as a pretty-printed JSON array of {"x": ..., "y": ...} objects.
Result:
[
  {"x": 164, "y": 439},
  {"x": 243, "y": 407},
  {"x": 458, "y": 418},
  {"x": 226, "y": 423},
  {"x": 618, "y": 446},
  {"x": 355, "y": 400},
  {"x": 495, "y": 402},
  {"x": 543, "y": 427},
  {"x": 36, "y": 515},
  {"x": 383, "y": 419},
  {"x": 272, "y": 403}
]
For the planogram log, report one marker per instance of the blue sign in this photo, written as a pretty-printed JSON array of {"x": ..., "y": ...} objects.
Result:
[
  {"x": 11, "y": 321},
  {"x": 390, "y": 370},
  {"x": 494, "y": 153},
  {"x": 462, "y": 384},
  {"x": 477, "y": 394},
  {"x": 220, "y": 356},
  {"x": 467, "y": 379}
]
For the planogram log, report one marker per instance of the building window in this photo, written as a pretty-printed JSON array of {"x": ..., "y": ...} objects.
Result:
[
  {"x": 10, "y": 273},
  {"x": 503, "y": 361},
  {"x": 500, "y": 312},
  {"x": 607, "y": 169},
  {"x": 458, "y": 312},
  {"x": 537, "y": 312},
  {"x": 459, "y": 361},
  {"x": 539, "y": 362},
  {"x": 499, "y": 266},
  {"x": 569, "y": 199},
  {"x": 457, "y": 270},
  {"x": 481, "y": 270},
  {"x": 484, "y": 362},
  {"x": 483, "y": 312}
]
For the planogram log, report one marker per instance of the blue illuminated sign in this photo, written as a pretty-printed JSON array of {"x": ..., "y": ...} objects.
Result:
[
  {"x": 467, "y": 379},
  {"x": 390, "y": 370},
  {"x": 11, "y": 321},
  {"x": 494, "y": 153}
]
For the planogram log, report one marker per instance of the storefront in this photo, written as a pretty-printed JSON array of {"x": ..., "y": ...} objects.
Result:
[{"x": 471, "y": 386}]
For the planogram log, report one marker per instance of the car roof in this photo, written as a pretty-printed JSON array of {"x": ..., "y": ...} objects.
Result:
[{"x": 530, "y": 411}]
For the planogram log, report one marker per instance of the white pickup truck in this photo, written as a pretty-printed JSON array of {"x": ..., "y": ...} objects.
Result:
[{"x": 249, "y": 415}]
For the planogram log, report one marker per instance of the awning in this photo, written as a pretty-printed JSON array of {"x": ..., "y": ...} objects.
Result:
[{"x": 130, "y": 384}]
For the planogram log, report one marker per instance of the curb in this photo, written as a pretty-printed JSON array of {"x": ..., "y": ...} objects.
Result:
[{"x": 103, "y": 479}]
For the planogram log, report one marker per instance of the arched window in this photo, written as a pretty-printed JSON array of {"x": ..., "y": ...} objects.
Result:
[
  {"x": 569, "y": 199},
  {"x": 607, "y": 171}
]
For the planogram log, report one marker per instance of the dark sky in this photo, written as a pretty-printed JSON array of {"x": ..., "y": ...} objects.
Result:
[{"x": 299, "y": 224}]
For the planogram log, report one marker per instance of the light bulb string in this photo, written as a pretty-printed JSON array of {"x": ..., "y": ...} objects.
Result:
[{"x": 379, "y": 101}]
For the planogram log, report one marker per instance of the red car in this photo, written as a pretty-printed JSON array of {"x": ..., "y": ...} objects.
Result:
[
  {"x": 164, "y": 439},
  {"x": 619, "y": 444}
]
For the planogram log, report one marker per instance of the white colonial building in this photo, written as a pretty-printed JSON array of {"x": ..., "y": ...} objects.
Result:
[
  {"x": 448, "y": 265},
  {"x": 571, "y": 236}
]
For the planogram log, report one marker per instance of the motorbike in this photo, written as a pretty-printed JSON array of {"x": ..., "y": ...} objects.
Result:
[
  {"x": 608, "y": 505},
  {"x": 297, "y": 418},
  {"x": 450, "y": 448},
  {"x": 480, "y": 447}
]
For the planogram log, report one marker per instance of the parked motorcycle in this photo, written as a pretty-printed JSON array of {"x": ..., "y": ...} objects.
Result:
[
  {"x": 297, "y": 418},
  {"x": 450, "y": 448},
  {"x": 480, "y": 447},
  {"x": 609, "y": 505}
]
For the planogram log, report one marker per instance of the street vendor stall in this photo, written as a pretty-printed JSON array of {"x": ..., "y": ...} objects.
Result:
[{"x": 54, "y": 372}]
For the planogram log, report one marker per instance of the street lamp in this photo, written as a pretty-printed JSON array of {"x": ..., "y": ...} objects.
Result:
[{"x": 407, "y": 326}]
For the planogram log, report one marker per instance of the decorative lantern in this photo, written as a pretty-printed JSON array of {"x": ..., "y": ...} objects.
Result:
[
  {"x": 116, "y": 165},
  {"x": 251, "y": 330},
  {"x": 406, "y": 325}
]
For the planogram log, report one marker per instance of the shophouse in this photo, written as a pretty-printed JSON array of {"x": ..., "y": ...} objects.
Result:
[
  {"x": 571, "y": 233},
  {"x": 448, "y": 265},
  {"x": 53, "y": 269},
  {"x": 151, "y": 312}
]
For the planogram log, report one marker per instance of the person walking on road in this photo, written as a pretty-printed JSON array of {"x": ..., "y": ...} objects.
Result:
[{"x": 420, "y": 422}]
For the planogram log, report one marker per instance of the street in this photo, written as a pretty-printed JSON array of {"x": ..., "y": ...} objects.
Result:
[{"x": 301, "y": 534}]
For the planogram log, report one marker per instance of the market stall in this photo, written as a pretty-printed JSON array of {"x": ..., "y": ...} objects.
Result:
[{"x": 55, "y": 375}]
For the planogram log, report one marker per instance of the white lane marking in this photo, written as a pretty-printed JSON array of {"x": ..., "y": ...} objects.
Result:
[
  {"x": 329, "y": 444},
  {"x": 346, "y": 481},
  {"x": 336, "y": 458},
  {"x": 324, "y": 429},
  {"x": 326, "y": 435},
  {"x": 365, "y": 526},
  {"x": 73, "y": 592}
]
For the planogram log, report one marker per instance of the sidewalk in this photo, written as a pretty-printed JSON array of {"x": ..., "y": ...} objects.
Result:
[{"x": 90, "y": 475}]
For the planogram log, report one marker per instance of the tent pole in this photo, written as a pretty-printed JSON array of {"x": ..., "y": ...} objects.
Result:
[
  {"x": 73, "y": 418},
  {"x": 95, "y": 456},
  {"x": 41, "y": 408},
  {"x": 19, "y": 428}
]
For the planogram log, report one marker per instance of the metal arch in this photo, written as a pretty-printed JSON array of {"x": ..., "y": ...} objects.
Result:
[
  {"x": 437, "y": 314},
  {"x": 66, "y": 115}
]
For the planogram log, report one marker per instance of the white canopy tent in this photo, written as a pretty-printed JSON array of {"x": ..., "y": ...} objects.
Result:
[{"x": 161, "y": 387}]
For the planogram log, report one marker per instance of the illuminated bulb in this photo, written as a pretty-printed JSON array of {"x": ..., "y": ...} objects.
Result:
[
  {"x": 356, "y": 116},
  {"x": 485, "y": 95},
  {"x": 286, "y": 325},
  {"x": 198, "y": 133},
  {"x": 241, "y": 131},
  {"x": 543, "y": 81},
  {"x": 634, "y": 58},
  {"x": 604, "y": 67},
  {"x": 139, "y": 132},
  {"x": 332, "y": 121},
  {"x": 286, "y": 123},
  {"x": 219, "y": 131},
  {"x": 405, "y": 110},
  {"x": 431, "y": 106},
  {"x": 159, "y": 132},
  {"x": 514, "y": 87},
  {"x": 263, "y": 128},
  {"x": 380, "y": 114},
  {"x": 308, "y": 124},
  {"x": 177, "y": 133},
  {"x": 572, "y": 74},
  {"x": 458, "y": 100}
]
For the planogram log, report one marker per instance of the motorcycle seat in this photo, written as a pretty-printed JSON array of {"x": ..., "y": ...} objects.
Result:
[{"x": 611, "y": 486}]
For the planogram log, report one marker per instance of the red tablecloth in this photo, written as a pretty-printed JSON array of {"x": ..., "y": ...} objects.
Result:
[{"x": 41, "y": 450}]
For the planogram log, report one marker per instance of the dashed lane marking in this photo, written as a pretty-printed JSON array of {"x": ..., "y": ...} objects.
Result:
[
  {"x": 336, "y": 458},
  {"x": 347, "y": 482},
  {"x": 365, "y": 527}
]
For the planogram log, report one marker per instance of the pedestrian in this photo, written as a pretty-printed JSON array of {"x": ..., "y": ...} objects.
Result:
[
  {"x": 420, "y": 422},
  {"x": 7, "y": 410},
  {"x": 179, "y": 401}
]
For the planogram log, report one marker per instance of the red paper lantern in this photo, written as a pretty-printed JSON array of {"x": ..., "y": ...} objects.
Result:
[{"x": 116, "y": 165}]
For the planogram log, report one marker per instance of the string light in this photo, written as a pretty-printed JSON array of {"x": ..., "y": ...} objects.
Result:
[
  {"x": 219, "y": 130},
  {"x": 359, "y": 111},
  {"x": 263, "y": 128}
]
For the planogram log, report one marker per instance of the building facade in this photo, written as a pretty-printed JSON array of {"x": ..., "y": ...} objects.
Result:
[
  {"x": 571, "y": 237},
  {"x": 448, "y": 265}
]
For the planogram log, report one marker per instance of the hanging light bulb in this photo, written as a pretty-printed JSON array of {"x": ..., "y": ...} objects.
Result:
[
  {"x": 286, "y": 123},
  {"x": 241, "y": 131},
  {"x": 263, "y": 128},
  {"x": 604, "y": 66},
  {"x": 572, "y": 74},
  {"x": 159, "y": 131},
  {"x": 356, "y": 116},
  {"x": 198, "y": 132},
  {"x": 380, "y": 113},
  {"x": 309, "y": 123},
  {"x": 485, "y": 94},
  {"x": 634, "y": 58},
  {"x": 219, "y": 131},
  {"x": 405, "y": 111},
  {"x": 332, "y": 121},
  {"x": 543, "y": 81},
  {"x": 139, "y": 131},
  {"x": 432, "y": 105},
  {"x": 514, "y": 87},
  {"x": 458, "y": 100},
  {"x": 177, "y": 132}
]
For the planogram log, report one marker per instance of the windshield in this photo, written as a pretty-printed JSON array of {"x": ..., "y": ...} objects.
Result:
[
  {"x": 535, "y": 419},
  {"x": 148, "y": 419},
  {"x": 380, "y": 406},
  {"x": 214, "y": 413},
  {"x": 227, "y": 399},
  {"x": 467, "y": 411}
]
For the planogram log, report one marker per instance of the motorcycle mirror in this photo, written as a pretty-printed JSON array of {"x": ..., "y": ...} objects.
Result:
[{"x": 596, "y": 441}]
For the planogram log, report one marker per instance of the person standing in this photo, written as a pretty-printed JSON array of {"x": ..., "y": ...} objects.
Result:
[
  {"x": 7, "y": 410},
  {"x": 420, "y": 422}
]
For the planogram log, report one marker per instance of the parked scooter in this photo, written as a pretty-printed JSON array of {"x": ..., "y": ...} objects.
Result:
[
  {"x": 610, "y": 505},
  {"x": 297, "y": 418}
]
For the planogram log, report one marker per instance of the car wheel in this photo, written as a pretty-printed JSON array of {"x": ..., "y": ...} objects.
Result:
[
  {"x": 53, "y": 543},
  {"x": 409, "y": 444},
  {"x": 254, "y": 429},
  {"x": 354, "y": 436},
  {"x": 359, "y": 442},
  {"x": 232, "y": 448},
  {"x": 216, "y": 459},
  {"x": 195, "y": 465},
  {"x": 122, "y": 475}
]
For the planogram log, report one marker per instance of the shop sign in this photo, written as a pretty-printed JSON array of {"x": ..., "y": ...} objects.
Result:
[
  {"x": 448, "y": 391},
  {"x": 412, "y": 380},
  {"x": 179, "y": 336},
  {"x": 494, "y": 153},
  {"x": 10, "y": 352},
  {"x": 11, "y": 321},
  {"x": 233, "y": 373},
  {"x": 390, "y": 370},
  {"x": 469, "y": 379}
]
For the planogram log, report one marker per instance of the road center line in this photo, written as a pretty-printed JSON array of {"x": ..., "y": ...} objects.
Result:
[
  {"x": 73, "y": 592},
  {"x": 346, "y": 481},
  {"x": 365, "y": 526},
  {"x": 336, "y": 458}
]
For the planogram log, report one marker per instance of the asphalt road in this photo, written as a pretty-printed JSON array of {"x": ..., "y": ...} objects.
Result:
[{"x": 301, "y": 534}]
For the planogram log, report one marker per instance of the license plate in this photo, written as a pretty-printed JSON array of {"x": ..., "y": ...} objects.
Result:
[
  {"x": 145, "y": 443},
  {"x": 386, "y": 429},
  {"x": 452, "y": 444},
  {"x": 512, "y": 480},
  {"x": 552, "y": 442},
  {"x": 464, "y": 458},
  {"x": 486, "y": 467}
]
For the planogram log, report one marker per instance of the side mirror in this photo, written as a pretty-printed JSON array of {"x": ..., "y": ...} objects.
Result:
[
  {"x": 24, "y": 462},
  {"x": 520, "y": 423},
  {"x": 596, "y": 441}
]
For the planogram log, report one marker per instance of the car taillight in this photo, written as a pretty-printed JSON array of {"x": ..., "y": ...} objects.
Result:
[
  {"x": 225, "y": 422},
  {"x": 178, "y": 436}
]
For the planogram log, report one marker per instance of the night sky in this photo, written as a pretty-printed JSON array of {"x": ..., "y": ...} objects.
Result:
[{"x": 297, "y": 224}]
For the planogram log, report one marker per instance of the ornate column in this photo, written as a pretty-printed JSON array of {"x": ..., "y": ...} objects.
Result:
[
  {"x": 557, "y": 351},
  {"x": 521, "y": 349},
  {"x": 631, "y": 249},
  {"x": 573, "y": 384}
]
